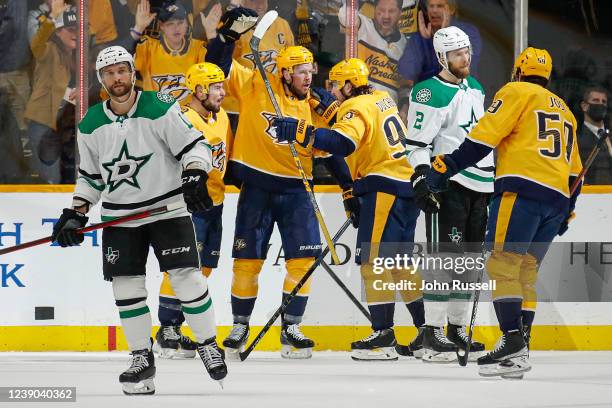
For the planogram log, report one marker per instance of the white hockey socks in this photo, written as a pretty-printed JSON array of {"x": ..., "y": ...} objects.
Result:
[
  {"x": 192, "y": 290},
  {"x": 131, "y": 297}
]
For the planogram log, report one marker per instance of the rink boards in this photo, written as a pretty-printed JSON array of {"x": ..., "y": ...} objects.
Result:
[{"x": 55, "y": 299}]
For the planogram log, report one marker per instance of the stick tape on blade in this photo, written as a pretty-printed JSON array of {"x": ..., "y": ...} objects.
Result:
[{"x": 265, "y": 23}]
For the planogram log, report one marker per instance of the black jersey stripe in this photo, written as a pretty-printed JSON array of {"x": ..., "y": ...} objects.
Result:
[
  {"x": 90, "y": 176},
  {"x": 133, "y": 206},
  {"x": 188, "y": 147}
]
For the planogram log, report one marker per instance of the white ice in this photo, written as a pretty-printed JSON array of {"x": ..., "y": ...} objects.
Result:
[{"x": 329, "y": 379}]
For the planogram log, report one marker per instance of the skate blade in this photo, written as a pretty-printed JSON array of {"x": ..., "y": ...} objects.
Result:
[
  {"x": 513, "y": 377},
  {"x": 182, "y": 354},
  {"x": 166, "y": 353},
  {"x": 378, "y": 354},
  {"x": 474, "y": 355},
  {"x": 293, "y": 353},
  {"x": 430, "y": 356},
  {"x": 232, "y": 354},
  {"x": 144, "y": 387},
  {"x": 512, "y": 368},
  {"x": 418, "y": 354}
]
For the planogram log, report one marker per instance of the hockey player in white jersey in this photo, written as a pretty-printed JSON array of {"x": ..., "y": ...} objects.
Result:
[
  {"x": 139, "y": 152},
  {"x": 443, "y": 110}
]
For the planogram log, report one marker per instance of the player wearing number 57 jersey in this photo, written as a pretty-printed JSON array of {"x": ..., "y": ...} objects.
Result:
[
  {"x": 370, "y": 134},
  {"x": 534, "y": 133},
  {"x": 442, "y": 111}
]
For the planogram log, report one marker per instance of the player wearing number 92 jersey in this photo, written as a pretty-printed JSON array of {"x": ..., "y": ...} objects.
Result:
[{"x": 370, "y": 134}]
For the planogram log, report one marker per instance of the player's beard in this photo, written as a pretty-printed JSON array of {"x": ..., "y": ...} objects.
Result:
[
  {"x": 125, "y": 90},
  {"x": 297, "y": 92},
  {"x": 459, "y": 73},
  {"x": 209, "y": 106}
]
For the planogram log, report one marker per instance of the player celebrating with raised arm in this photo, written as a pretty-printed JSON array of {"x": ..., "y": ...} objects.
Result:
[
  {"x": 534, "y": 133},
  {"x": 370, "y": 134},
  {"x": 443, "y": 110},
  {"x": 204, "y": 111},
  {"x": 272, "y": 191},
  {"x": 135, "y": 149}
]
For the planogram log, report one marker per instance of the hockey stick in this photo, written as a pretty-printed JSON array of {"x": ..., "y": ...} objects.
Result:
[
  {"x": 243, "y": 355},
  {"x": 604, "y": 134},
  {"x": 93, "y": 227},
  {"x": 263, "y": 25},
  {"x": 346, "y": 291},
  {"x": 463, "y": 359}
]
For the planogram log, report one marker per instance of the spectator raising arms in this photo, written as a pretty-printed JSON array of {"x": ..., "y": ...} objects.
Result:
[
  {"x": 53, "y": 47},
  {"x": 161, "y": 63},
  {"x": 381, "y": 45},
  {"x": 278, "y": 36}
]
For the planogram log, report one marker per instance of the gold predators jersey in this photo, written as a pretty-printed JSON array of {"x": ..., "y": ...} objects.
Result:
[
  {"x": 379, "y": 161},
  {"x": 535, "y": 135},
  {"x": 278, "y": 36},
  {"x": 257, "y": 156},
  {"x": 218, "y": 133},
  {"x": 162, "y": 69}
]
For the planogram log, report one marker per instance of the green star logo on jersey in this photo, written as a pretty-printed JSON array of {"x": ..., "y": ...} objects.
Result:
[
  {"x": 471, "y": 123},
  {"x": 124, "y": 169}
]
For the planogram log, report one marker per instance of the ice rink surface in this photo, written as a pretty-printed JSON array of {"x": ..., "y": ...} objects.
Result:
[{"x": 329, "y": 379}]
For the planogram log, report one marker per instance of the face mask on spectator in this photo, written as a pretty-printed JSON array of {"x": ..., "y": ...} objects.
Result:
[{"x": 597, "y": 111}]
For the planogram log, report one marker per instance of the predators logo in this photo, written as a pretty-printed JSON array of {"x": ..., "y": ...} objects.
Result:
[
  {"x": 172, "y": 84},
  {"x": 271, "y": 129},
  {"x": 268, "y": 60},
  {"x": 219, "y": 156}
]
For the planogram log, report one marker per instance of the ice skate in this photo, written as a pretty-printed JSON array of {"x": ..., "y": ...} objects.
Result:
[
  {"x": 294, "y": 344},
  {"x": 234, "y": 343},
  {"x": 378, "y": 346},
  {"x": 510, "y": 356},
  {"x": 138, "y": 379},
  {"x": 437, "y": 347}
]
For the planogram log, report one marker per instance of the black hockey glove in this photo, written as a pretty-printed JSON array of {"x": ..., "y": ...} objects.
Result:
[
  {"x": 352, "y": 206},
  {"x": 324, "y": 104},
  {"x": 423, "y": 198},
  {"x": 236, "y": 22},
  {"x": 195, "y": 191},
  {"x": 64, "y": 230}
]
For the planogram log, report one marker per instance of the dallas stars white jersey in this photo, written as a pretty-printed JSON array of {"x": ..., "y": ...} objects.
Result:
[
  {"x": 134, "y": 162},
  {"x": 441, "y": 114}
]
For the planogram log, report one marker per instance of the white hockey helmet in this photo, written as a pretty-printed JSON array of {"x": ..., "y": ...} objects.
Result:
[
  {"x": 113, "y": 55},
  {"x": 449, "y": 39}
]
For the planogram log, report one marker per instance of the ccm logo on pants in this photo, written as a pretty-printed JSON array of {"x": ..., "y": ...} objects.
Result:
[{"x": 173, "y": 251}]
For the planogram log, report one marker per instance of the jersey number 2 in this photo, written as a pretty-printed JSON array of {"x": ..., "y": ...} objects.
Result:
[{"x": 545, "y": 133}]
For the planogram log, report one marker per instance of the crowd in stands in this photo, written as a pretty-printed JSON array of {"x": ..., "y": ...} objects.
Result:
[{"x": 38, "y": 86}]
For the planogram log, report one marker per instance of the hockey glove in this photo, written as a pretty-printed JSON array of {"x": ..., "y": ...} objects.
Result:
[
  {"x": 352, "y": 206},
  {"x": 324, "y": 104},
  {"x": 293, "y": 130},
  {"x": 195, "y": 191},
  {"x": 423, "y": 198},
  {"x": 64, "y": 230},
  {"x": 442, "y": 169},
  {"x": 565, "y": 224},
  {"x": 236, "y": 22}
]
